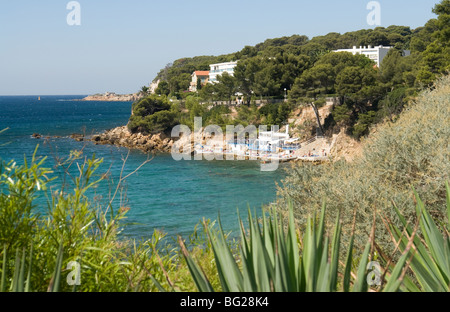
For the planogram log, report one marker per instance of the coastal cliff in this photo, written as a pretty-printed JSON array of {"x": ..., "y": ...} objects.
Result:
[
  {"x": 121, "y": 136},
  {"x": 160, "y": 142},
  {"x": 113, "y": 97}
]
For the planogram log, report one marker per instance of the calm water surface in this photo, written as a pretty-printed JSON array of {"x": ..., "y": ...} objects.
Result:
[{"x": 165, "y": 194}]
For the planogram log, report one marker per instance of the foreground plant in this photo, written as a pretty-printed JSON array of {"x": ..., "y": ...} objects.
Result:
[
  {"x": 428, "y": 257},
  {"x": 272, "y": 259},
  {"x": 38, "y": 245},
  {"x": 272, "y": 255}
]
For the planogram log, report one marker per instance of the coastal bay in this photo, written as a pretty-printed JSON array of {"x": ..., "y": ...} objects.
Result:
[{"x": 164, "y": 194}]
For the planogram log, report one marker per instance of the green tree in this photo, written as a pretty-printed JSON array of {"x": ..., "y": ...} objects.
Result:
[
  {"x": 144, "y": 91},
  {"x": 364, "y": 121},
  {"x": 393, "y": 103},
  {"x": 316, "y": 81},
  {"x": 436, "y": 57},
  {"x": 163, "y": 88},
  {"x": 443, "y": 22},
  {"x": 152, "y": 114},
  {"x": 245, "y": 72},
  {"x": 179, "y": 83},
  {"x": 266, "y": 83},
  {"x": 289, "y": 67},
  {"x": 226, "y": 86},
  {"x": 376, "y": 38}
]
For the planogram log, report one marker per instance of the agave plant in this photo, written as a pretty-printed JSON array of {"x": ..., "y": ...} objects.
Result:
[
  {"x": 274, "y": 260},
  {"x": 18, "y": 282},
  {"x": 429, "y": 257}
]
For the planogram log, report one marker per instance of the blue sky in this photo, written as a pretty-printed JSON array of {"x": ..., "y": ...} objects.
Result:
[{"x": 121, "y": 45}]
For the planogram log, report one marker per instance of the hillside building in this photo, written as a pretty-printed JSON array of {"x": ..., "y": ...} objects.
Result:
[
  {"x": 203, "y": 76},
  {"x": 376, "y": 54},
  {"x": 219, "y": 69}
]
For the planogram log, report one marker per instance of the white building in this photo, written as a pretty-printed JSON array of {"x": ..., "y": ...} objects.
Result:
[
  {"x": 219, "y": 69},
  {"x": 270, "y": 141},
  {"x": 198, "y": 74},
  {"x": 376, "y": 54}
]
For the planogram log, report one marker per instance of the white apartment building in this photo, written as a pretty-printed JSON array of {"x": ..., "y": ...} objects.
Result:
[
  {"x": 219, "y": 69},
  {"x": 376, "y": 54}
]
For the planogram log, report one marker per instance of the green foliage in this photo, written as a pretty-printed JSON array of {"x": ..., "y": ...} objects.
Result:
[
  {"x": 443, "y": 22},
  {"x": 316, "y": 81},
  {"x": 163, "y": 88},
  {"x": 393, "y": 103},
  {"x": 274, "y": 114},
  {"x": 19, "y": 185},
  {"x": 412, "y": 151},
  {"x": 152, "y": 114},
  {"x": 306, "y": 68},
  {"x": 341, "y": 114},
  {"x": 248, "y": 115},
  {"x": 436, "y": 56},
  {"x": 176, "y": 77},
  {"x": 274, "y": 260},
  {"x": 76, "y": 228},
  {"x": 273, "y": 255},
  {"x": 435, "y": 61},
  {"x": 226, "y": 88},
  {"x": 429, "y": 257},
  {"x": 364, "y": 121}
]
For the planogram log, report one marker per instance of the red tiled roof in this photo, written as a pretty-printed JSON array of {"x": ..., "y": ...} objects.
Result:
[{"x": 202, "y": 73}]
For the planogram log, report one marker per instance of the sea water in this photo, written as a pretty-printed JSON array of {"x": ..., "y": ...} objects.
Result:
[{"x": 168, "y": 195}]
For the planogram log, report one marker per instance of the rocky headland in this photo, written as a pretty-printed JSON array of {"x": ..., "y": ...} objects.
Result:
[
  {"x": 160, "y": 142},
  {"x": 113, "y": 97},
  {"x": 122, "y": 136}
]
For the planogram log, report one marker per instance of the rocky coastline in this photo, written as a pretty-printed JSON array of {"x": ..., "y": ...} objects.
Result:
[
  {"x": 122, "y": 136},
  {"x": 113, "y": 97},
  {"x": 341, "y": 147}
]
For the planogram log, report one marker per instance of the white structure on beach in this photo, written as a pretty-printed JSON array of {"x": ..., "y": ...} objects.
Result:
[
  {"x": 219, "y": 69},
  {"x": 376, "y": 54},
  {"x": 269, "y": 141}
]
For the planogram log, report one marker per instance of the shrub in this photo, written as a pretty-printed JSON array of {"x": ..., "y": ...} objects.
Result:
[
  {"x": 152, "y": 114},
  {"x": 38, "y": 243},
  {"x": 277, "y": 257},
  {"x": 412, "y": 151}
]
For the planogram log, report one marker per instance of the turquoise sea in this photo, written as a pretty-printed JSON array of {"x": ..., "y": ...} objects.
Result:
[{"x": 165, "y": 194}]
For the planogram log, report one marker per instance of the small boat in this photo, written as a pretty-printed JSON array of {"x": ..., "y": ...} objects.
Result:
[{"x": 39, "y": 98}]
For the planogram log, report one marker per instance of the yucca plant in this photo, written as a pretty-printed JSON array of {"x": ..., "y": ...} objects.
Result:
[
  {"x": 274, "y": 260},
  {"x": 22, "y": 266},
  {"x": 429, "y": 257}
]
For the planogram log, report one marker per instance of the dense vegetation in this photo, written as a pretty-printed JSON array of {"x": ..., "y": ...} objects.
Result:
[
  {"x": 411, "y": 151},
  {"x": 392, "y": 205},
  {"x": 153, "y": 115},
  {"x": 39, "y": 251},
  {"x": 308, "y": 71},
  {"x": 408, "y": 237},
  {"x": 77, "y": 227}
]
